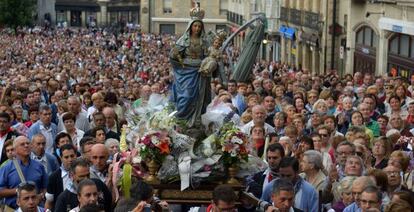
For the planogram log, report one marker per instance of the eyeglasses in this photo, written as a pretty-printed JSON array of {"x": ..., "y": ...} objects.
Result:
[
  {"x": 360, "y": 154},
  {"x": 323, "y": 135}
]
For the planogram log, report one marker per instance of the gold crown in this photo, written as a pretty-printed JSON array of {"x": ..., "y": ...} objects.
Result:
[
  {"x": 221, "y": 35},
  {"x": 197, "y": 13}
]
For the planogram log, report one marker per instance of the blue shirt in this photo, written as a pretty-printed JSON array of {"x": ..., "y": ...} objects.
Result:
[
  {"x": 9, "y": 178},
  {"x": 352, "y": 208},
  {"x": 306, "y": 197}
]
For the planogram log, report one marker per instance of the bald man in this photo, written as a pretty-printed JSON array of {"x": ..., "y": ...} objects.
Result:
[
  {"x": 358, "y": 186},
  {"x": 99, "y": 157},
  {"x": 259, "y": 115}
]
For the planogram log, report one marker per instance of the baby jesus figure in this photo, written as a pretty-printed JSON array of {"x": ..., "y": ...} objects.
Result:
[{"x": 210, "y": 63}]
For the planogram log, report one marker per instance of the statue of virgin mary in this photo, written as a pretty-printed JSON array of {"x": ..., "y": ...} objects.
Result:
[{"x": 191, "y": 91}]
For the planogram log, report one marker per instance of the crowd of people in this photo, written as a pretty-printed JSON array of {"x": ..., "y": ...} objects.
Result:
[{"x": 335, "y": 143}]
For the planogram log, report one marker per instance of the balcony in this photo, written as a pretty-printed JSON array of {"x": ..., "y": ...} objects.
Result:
[
  {"x": 295, "y": 17},
  {"x": 284, "y": 14},
  {"x": 311, "y": 20}
]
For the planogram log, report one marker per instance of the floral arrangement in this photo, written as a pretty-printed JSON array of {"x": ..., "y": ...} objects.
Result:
[
  {"x": 155, "y": 146},
  {"x": 233, "y": 145}
]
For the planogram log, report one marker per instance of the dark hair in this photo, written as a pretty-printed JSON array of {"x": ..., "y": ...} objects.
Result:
[
  {"x": 282, "y": 185},
  {"x": 33, "y": 109},
  {"x": 84, "y": 183},
  {"x": 346, "y": 143},
  {"x": 60, "y": 136},
  {"x": 290, "y": 162},
  {"x": 67, "y": 147},
  {"x": 111, "y": 98},
  {"x": 44, "y": 107},
  {"x": 86, "y": 140},
  {"x": 95, "y": 130},
  {"x": 330, "y": 117},
  {"x": 5, "y": 115},
  {"x": 78, "y": 162},
  {"x": 140, "y": 190},
  {"x": 307, "y": 140},
  {"x": 380, "y": 178},
  {"x": 232, "y": 81},
  {"x": 224, "y": 193},
  {"x": 384, "y": 117},
  {"x": 276, "y": 147},
  {"x": 98, "y": 114},
  {"x": 68, "y": 116},
  {"x": 92, "y": 208},
  {"x": 394, "y": 97},
  {"x": 374, "y": 189},
  {"x": 28, "y": 186}
]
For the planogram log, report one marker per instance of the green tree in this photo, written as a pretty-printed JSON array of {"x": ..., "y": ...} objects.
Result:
[{"x": 15, "y": 13}]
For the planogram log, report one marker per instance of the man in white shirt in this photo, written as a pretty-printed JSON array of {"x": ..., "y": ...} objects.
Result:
[{"x": 259, "y": 116}]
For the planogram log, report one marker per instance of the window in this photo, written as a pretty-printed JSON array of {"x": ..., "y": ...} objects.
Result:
[
  {"x": 405, "y": 45},
  {"x": 167, "y": 6},
  {"x": 113, "y": 18},
  {"x": 394, "y": 46},
  {"x": 402, "y": 45},
  {"x": 360, "y": 37},
  {"x": 412, "y": 48},
  {"x": 134, "y": 17},
  {"x": 367, "y": 37},
  {"x": 61, "y": 16},
  {"x": 167, "y": 29}
]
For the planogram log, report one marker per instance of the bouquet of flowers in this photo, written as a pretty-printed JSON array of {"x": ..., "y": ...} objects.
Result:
[
  {"x": 233, "y": 145},
  {"x": 155, "y": 146}
]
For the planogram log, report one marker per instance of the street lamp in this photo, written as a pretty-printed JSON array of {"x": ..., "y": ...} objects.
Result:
[{"x": 265, "y": 41}]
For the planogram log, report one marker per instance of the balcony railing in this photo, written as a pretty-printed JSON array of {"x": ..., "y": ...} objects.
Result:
[{"x": 300, "y": 18}]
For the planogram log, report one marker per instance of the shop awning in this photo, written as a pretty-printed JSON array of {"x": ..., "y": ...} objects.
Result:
[
  {"x": 396, "y": 25},
  {"x": 290, "y": 33},
  {"x": 310, "y": 39}
]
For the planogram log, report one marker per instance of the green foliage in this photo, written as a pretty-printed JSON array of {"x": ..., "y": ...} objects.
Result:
[
  {"x": 152, "y": 153},
  {"x": 15, "y": 13}
]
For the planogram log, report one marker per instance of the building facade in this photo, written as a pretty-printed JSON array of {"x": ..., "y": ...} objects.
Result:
[
  {"x": 308, "y": 40},
  {"x": 379, "y": 38},
  {"x": 172, "y": 16},
  {"x": 81, "y": 13}
]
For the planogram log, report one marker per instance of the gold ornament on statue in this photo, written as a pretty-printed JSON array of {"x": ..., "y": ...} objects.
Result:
[
  {"x": 197, "y": 13},
  {"x": 232, "y": 171},
  {"x": 153, "y": 168}
]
